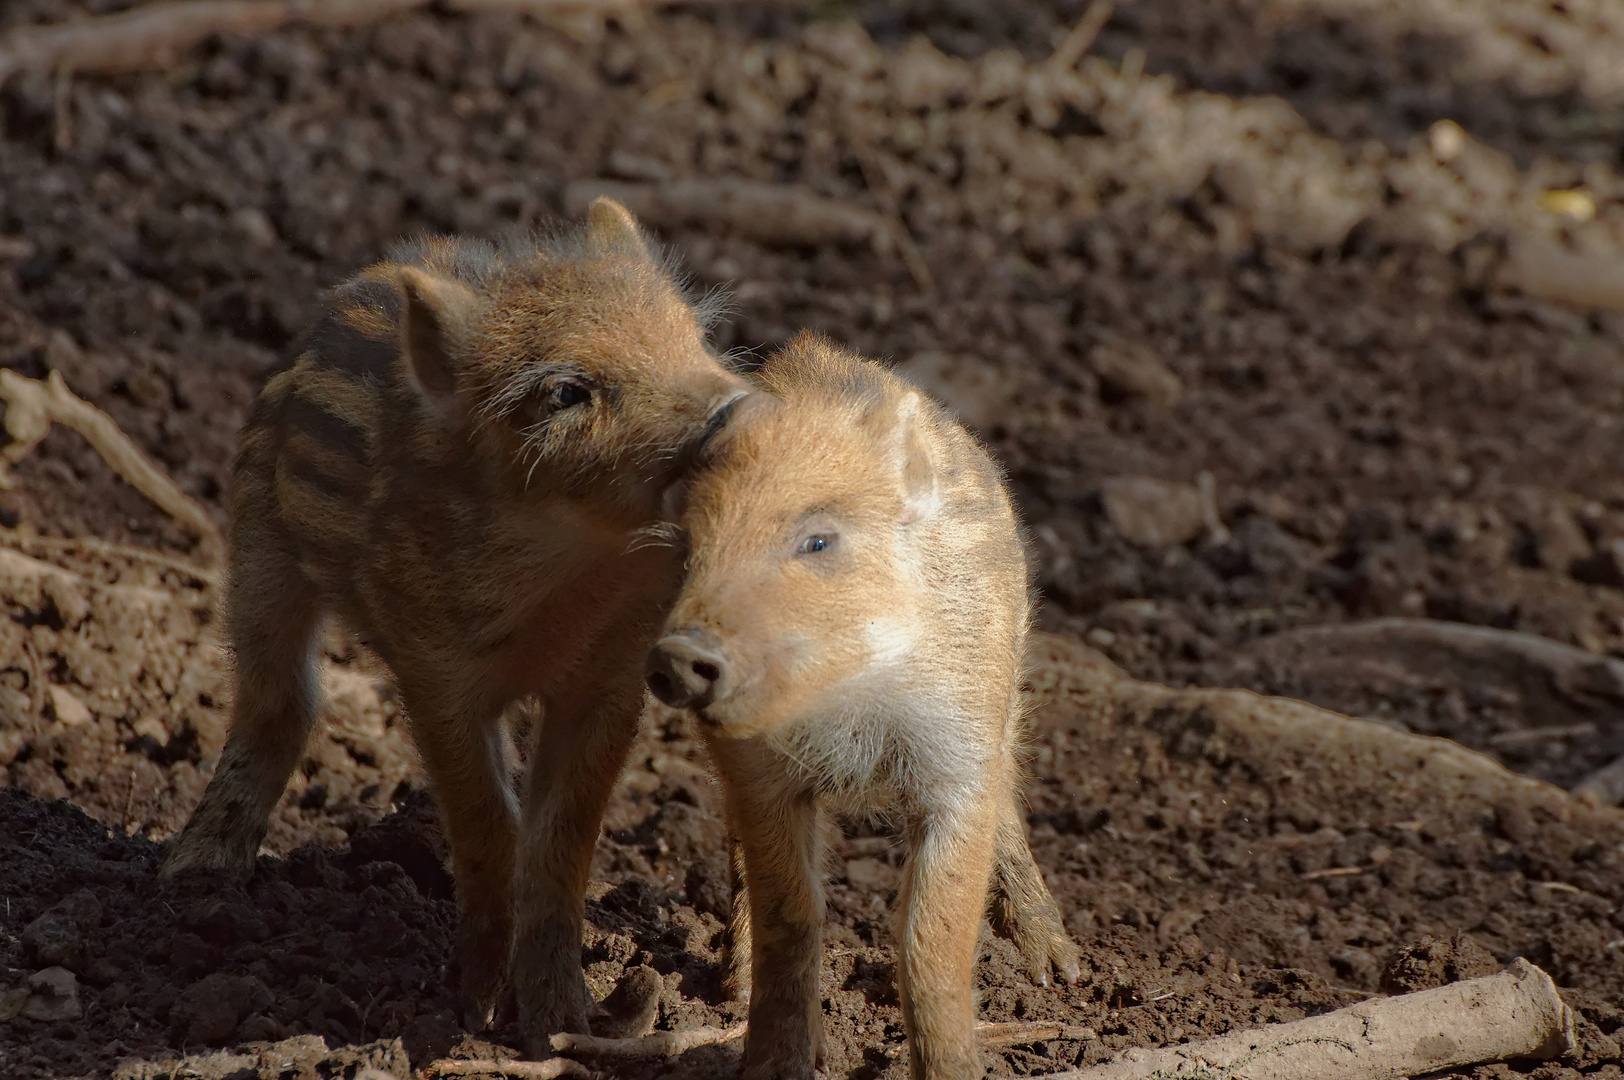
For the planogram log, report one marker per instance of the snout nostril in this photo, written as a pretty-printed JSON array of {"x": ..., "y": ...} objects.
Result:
[
  {"x": 707, "y": 670},
  {"x": 660, "y": 683}
]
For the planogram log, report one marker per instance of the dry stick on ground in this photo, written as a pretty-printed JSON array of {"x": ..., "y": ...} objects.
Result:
[
  {"x": 674, "y": 1043},
  {"x": 1081, "y": 36},
  {"x": 156, "y": 35},
  {"x": 659, "y": 1044},
  {"x": 1026, "y": 1032},
  {"x": 518, "y": 1070},
  {"x": 32, "y": 407},
  {"x": 1540, "y": 268},
  {"x": 1515, "y": 1014},
  {"x": 773, "y": 214}
]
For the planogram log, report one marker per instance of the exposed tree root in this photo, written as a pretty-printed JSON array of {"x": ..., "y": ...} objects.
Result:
[
  {"x": 1515, "y": 1014},
  {"x": 772, "y": 214},
  {"x": 156, "y": 35},
  {"x": 33, "y": 406}
]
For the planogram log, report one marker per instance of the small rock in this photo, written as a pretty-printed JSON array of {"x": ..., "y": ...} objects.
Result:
[
  {"x": 1132, "y": 370},
  {"x": 1430, "y": 962},
  {"x": 14, "y": 993},
  {"x": 58, "y": 938},
  {"x": 873, "y": 875},
  {"x": 224, "y": 922},
  {"x": 208, "y": 1011},
  {"x": 1605, "y": 566},
  {"x": 633, "y": 1006},
  {"x": 1154, "y": 513},
  {"x": 1446, "y": 139},
  {"x": 153, "y": 728},
  {"x": 253, "y": 223},
  {"x": 53, "y": 995},
  {"x": 70, "y": 711},
  {"x": 260, "y": 1028},
  {"x": 16, "y": 249}
]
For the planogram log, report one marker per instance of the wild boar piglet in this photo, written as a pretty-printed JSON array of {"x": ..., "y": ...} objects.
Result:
[
  {"x": 851, "y": 635},
  {"x": 464, "y": 464}
]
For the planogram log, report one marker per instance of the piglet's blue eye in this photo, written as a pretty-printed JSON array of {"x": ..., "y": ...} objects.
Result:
[{"x": 814, "y": 544}]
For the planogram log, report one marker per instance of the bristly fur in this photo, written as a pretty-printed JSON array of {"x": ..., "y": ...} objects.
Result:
[
  {"x": 877, "y": 671},
  {"x": 416, "y": 472}
]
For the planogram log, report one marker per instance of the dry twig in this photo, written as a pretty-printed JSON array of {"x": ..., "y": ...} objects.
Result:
[
  {"x": 518, "y": 1070},
  {"x": 1540, "y": 268},
  {"x": 1025, "y": 1032},
  {"x": 33, "y": 406},
  {"x": 659, "y": 1044},
  {"x": 766, "y": 213},
  {"x": 1081, "y": 36}
]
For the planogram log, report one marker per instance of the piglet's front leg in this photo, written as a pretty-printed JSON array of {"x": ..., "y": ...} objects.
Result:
[
  {"x": 780, "y": 840},
  {"x": 939, "y": 911}
]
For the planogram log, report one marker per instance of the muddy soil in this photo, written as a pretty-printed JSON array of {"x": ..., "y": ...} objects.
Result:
[{"x": 1125, "y": 281}]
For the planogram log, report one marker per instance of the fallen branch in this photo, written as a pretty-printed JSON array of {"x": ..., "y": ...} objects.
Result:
[
  {"x": 1529, "y": 736},
  {"x": 32, "y": 407},
  {"x": 782, "y": 214},
  {"x": 1541, "y": 269},
  {"x": 519, "y": 1070},
  {"x": 1515, "y": 1014},
  {"x": 674, "y": 1043},
  {"x": 1023, "y": 1033},
  {"x": 156, "y": 35},
  {"x": 659, "y": 1044},
  {"x": 1433, "y": 645},
  {"x": 89, "y": 545}
]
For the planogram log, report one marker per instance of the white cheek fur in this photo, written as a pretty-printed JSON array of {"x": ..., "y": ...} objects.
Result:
[{"x": 891, "y": 642}]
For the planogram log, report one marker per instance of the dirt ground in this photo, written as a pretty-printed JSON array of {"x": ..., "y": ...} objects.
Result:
[{"x": 1255, "y": 248}]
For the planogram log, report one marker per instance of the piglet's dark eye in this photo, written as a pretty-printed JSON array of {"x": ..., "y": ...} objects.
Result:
[
  {"x": 571, "y": 394},
  {"x": 812, "y": 545}
]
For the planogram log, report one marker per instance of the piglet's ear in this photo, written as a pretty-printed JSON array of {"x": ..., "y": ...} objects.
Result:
[
  {"x": 912, "y": 454},
  {"x": 438, "y": 315},
  {"x": 611, "y": 226}
]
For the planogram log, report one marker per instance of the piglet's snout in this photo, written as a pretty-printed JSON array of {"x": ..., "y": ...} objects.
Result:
[{"x": 688, "y": 670}]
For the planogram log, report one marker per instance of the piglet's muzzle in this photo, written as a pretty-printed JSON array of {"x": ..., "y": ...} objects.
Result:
[{"x": 687, "y": 669}]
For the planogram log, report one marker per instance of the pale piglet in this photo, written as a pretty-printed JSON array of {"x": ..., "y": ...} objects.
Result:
[{"x": 851, "y": 636}]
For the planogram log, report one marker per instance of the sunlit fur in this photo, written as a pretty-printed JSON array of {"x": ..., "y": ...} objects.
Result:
[
  {"x": 880, "y": 674},
  {"x": 408, "y": 474}
]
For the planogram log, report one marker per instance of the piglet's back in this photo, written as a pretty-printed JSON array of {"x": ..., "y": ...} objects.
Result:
[{"x": 312, "y": 453}]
